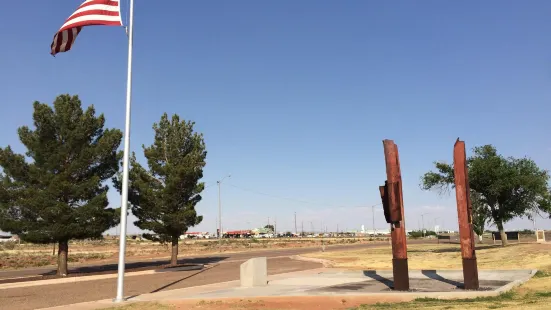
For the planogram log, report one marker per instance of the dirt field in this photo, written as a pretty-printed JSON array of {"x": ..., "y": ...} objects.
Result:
[{"x": 17, "y": 256}]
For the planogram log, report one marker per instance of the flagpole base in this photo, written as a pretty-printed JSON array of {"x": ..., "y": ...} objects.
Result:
[{"x": 119, "y": 300}]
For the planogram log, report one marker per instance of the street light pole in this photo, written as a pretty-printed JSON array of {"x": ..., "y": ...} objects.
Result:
[
  {"x": 373, "y": 215},
  {"x": 220, "y": 212}
]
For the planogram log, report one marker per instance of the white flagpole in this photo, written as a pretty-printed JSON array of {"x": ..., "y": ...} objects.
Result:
[{"x": 125, "y": 165}]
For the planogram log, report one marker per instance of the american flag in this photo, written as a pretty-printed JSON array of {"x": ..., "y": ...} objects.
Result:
[{"x": 89, "y": 13}]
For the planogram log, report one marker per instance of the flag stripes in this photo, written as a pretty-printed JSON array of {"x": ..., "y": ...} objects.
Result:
[{"x": 89, "y": 13}]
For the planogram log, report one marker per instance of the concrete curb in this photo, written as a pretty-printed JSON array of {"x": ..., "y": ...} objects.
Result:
[
  {"x": 516, "y": 283},
  {"x": 326, "y": 263},
  {"x": 93, "y": 278}
]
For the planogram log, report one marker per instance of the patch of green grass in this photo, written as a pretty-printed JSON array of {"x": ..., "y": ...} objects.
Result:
[
  {"x": 433, "y": 302},
  {"x": 542, "y": 274},
  {"x": 543, "y": 294},
  {"x": 510, "y": 295}
]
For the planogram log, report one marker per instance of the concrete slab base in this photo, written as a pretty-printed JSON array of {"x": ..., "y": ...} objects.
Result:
[
  {"x": 368, "y": 286},
  {"x": 423, "y": 283}
]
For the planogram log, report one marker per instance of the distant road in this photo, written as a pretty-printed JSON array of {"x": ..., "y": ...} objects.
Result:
[{"x": 137, "y": 262}]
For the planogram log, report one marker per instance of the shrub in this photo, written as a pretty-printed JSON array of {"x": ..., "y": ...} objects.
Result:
[{"x": 8, "y": 245}]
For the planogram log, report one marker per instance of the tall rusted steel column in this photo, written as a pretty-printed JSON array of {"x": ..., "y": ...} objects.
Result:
[
  {"x": 393, "y": 202},
  {"x": 465, "y": 216}
]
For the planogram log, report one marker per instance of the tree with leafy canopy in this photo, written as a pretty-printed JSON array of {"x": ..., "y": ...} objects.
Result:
[
  {"x": 480, "y": 215},
  {"x": 270, "y": 228},
  {"x": 502, "y": 188},
  {"x": 56, "y": 192},
  {"x": 163, "y": 196}
]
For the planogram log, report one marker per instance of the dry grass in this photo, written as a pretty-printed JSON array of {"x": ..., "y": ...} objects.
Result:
[
  {"x": 142, "y": 306},
  {"x": 15, "y": 256},
  {"x": 445, "y": 256},
  {"x": 533, "y": 295}
]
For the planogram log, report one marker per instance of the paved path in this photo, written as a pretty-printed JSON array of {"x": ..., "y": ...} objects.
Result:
[
  {"x": 37, "y": 297},
  {"x": 201, "y": 259},
  {"x": 226, "y": 269}
]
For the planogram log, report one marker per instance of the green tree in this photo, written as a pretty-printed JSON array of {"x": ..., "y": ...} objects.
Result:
[
  {"x": 480, "y": 214},
  {"x": 270, "y": 228},
  {"x": 504, "y": 188},
  {"x": 56, "y": 192},
  {"x": 164, "y": 196}
]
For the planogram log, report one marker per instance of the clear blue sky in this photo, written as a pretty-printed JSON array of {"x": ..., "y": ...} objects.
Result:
[{"x": 295, "y": 97}]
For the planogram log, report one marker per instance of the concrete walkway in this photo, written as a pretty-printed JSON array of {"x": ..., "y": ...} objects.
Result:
[{"x": 334, "y": 282}]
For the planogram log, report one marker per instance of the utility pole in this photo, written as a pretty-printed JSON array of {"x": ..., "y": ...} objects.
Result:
[
  {"x": 302, "y": 228},
  {"x": 219, "y": 215},
  {"x": 296, "y": 231},
  {"x": 423, "y": 223},
  {"x": 373, "y": 211}
]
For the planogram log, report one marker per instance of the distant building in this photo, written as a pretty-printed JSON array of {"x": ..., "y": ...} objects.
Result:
[
  {"x": 198, "y": 235},
  {"x": 261, "y": 231},
  {"x": 378, "y": 232},
  {"x": 237, "y": 234}
]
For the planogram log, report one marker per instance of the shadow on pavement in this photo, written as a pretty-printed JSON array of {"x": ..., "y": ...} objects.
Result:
[
  {"x": 175, "y": 282},
  {"x": 433, "y": 274},
  {"x": 137, "y": 266},
  {"x": 182, "y": 279},
  {"x": 373, "y": 275}
]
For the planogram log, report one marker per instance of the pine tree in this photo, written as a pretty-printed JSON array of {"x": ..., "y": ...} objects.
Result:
[
  {"x": 164, "y": 196},
  {"x": 56, "y": 191}
]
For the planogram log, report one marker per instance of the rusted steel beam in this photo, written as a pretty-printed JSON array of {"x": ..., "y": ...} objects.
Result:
[
  {"x": 465, "y": 216},
  {"x": 393, "y": 202}
]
